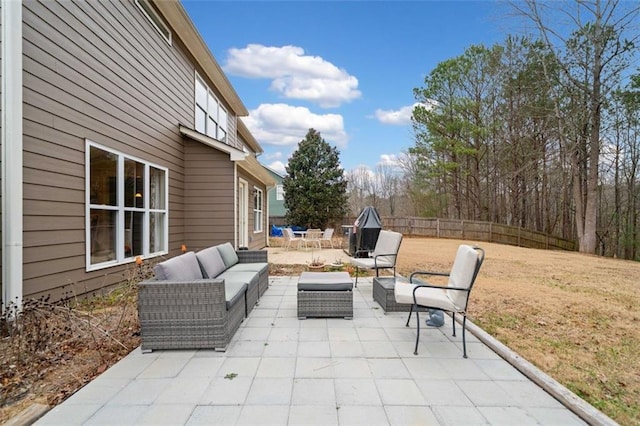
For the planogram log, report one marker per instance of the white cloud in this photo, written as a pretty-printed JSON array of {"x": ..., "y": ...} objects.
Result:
[
  {"x": 390, "y": 160},
  {"x": 294, "y": 74},
  {"x": 273, "y": 156},
  {"x": 279, "y": 167},
  {"x": 286, "y": 125},
  {"x": 401, "y": 117}
]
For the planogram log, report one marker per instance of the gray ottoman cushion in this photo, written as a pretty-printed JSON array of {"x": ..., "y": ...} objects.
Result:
[{"x": 325, "y": 281}]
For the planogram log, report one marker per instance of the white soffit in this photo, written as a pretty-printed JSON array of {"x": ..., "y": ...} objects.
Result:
[{"x": 234, "y": 153}]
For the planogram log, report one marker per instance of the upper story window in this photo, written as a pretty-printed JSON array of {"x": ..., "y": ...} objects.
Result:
[
  {"x": 155, "y": 19},
  {"x": 210, "y": 115},
  {"x": 257, "y": 209},
  {"x": 126, "y": 208},
  {"x": 280, "y": 192}
]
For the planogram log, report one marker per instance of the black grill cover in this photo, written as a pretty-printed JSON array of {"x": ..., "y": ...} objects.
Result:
[{"x": 364, "y": 234}]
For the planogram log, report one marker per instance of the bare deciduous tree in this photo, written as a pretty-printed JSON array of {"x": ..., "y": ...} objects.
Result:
[{"x": 592, "y": 58}]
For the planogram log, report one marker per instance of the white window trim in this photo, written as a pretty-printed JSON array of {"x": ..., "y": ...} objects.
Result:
[
  {"x": 220, "y": 126},
  {"x": 156, "y": 20},
  {"x": 260, "y": 210},
  {"x": 120, "y": 259}
]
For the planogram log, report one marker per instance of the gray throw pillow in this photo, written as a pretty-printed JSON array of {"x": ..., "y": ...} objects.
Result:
[
  {"x": 180, "y": 268},
  {"x": 228, "y": 254},
  {"x": 211, "y": 262}
]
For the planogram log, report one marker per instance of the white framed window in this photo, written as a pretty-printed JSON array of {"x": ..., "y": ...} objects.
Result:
[
  {"x": 279, "y": 192},
  {"x": 258, "y": 197},
  {"x": 210, "y": 115},
  {"x": 126, "y": 208},
  {"x": 155, "y": 19}
]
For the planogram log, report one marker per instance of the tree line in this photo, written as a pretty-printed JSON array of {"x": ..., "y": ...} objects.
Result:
[{"x": 541, "y": 132}]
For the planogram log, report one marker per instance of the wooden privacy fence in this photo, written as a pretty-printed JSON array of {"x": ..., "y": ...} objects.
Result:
[{"x": 473, "y": 230}]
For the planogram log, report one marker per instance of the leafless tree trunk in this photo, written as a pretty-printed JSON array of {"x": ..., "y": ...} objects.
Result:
[{"x": 591, "y": 60}]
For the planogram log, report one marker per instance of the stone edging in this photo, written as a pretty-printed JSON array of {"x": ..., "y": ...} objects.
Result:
[{"x": 579, "y": 406}]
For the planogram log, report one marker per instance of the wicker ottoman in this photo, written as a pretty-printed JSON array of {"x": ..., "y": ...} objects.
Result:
[
  {"x": 325, "y": 295},
  {"x": 383, "y": 294}
]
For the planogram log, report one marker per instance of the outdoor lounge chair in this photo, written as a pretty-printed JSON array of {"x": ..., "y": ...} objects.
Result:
[
  {"x": 312, "y": 238},
  {"x": 290, "y": 238},
  {"x": 384, "y": 254},
  {"x": 454, "y": 297},
  {"x": 327, "y": 236}
]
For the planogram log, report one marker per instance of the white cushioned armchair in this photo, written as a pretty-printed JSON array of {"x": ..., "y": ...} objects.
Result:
[
  {"x": 384, "y": 255},
  {"x": 454, "y": 297}
]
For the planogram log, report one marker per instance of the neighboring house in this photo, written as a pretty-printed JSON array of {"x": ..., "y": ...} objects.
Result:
[
  {"x": 277, "y": 211},
  {"x": 121, "y": 138}
]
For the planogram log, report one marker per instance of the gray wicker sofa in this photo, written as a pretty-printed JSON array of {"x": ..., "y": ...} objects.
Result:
[{"x": 198, "y": 300}]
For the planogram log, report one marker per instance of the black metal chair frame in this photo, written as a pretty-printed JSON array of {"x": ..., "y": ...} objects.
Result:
[
  {"x": 375, "y": 263},
  {"x": 420, "y": 284}
]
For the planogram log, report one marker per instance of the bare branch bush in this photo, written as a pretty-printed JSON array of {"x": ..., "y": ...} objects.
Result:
[{"x": 43, "y": 335}]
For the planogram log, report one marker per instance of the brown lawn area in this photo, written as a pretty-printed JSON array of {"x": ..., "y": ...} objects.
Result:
[{"x": 574, "y": 316}]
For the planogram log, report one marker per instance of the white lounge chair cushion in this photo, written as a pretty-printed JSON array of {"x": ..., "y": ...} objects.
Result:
[
  {"x": 404, "y": 292},
  {"x": 370, "y": 263},
  {"x": 461, "y": 275},
  {"x": 180, "y": 268},
  {"x": 388, "y": 243},
  {"x": 431, "y": 297}
]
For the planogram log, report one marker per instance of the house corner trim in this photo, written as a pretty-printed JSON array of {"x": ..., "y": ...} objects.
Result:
[{"x": 12, "y": 174}]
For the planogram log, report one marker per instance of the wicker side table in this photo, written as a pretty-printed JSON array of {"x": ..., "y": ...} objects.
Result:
[
  {"x": 325, "y": 295},
  {"x": 383, "y": 294}
]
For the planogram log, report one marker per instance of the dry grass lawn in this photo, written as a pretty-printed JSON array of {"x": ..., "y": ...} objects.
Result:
[{"x": 574, "y": 316}]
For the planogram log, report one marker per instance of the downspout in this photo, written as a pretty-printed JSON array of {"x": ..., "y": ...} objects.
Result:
[
  {"x": 268, "y": 228},
  {"x": 11, "y": 153},
  {"x": 236, "y": 226}
]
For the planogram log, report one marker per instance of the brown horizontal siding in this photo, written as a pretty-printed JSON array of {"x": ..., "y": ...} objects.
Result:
[
  {"x": 53, "y": 237},
  {"x": 58, "y": 148},
  {"x": 209, "y": 186},
  {"x": 210, "y": 217},
  {"x": 52, "y": 223},
  {"x": 87, "y": 119},
  {"x": 116, "y": 30},
  {"x": 76, "y": 282},
  {"x": 55, "y": 194},
  {"x": 97, "y": 71},
  {"x": 61, "y": 251},
  {"x": 44, "y": 175}
]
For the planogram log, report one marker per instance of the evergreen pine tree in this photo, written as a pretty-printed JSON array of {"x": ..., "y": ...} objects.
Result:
[{"x": 315, "y": 187}]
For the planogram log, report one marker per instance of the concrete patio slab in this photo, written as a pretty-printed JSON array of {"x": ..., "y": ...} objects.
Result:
[{"x": 284, "y": 371}]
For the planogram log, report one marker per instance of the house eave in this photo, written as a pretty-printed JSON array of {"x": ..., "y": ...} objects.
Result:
[
  {"x": 254, "y": 168},
  {"x": 234, "y": 153},
  {"x": 246, "y": 135}
]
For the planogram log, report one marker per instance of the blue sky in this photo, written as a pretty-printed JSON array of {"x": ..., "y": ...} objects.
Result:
[{"x": 345, "y": 68}]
